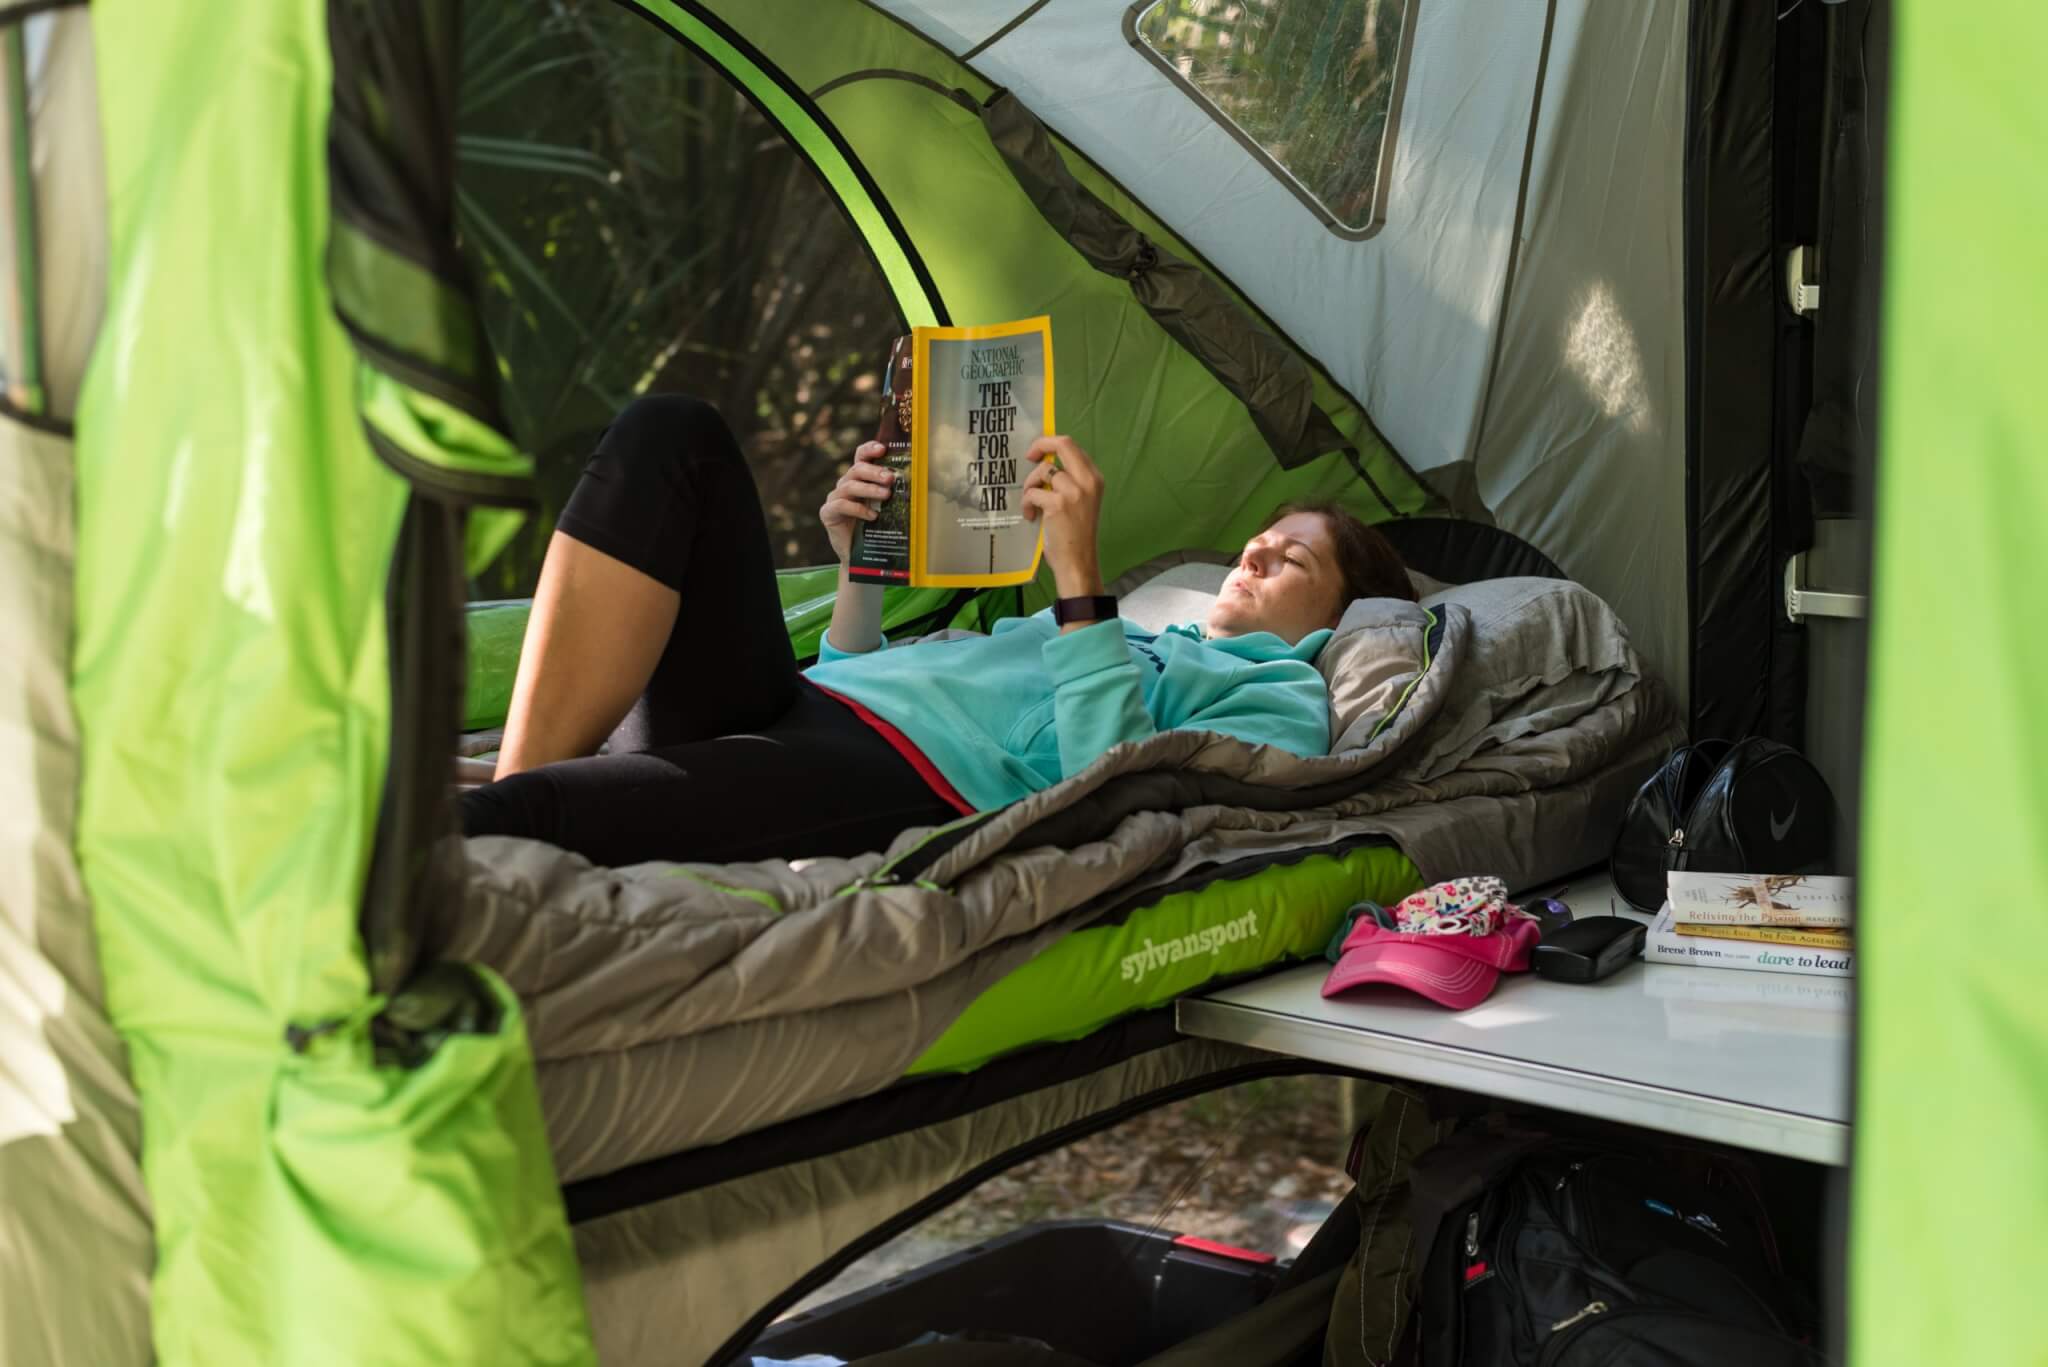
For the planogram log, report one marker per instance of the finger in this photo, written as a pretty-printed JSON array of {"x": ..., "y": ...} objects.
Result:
[
  {"x": 1039, "y": 474},
  {"x": 847, "y": 510},
  {"x": 862, "y": 486},
  {"x": 869, "y": 453},
  {"x": 1064, "y": 455},
  {"x": 1041, "y": 502},
  {"x": 1053, "y": 444}
]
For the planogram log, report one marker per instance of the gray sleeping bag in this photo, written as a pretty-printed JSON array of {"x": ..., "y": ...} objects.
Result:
[{"x": 1500, "y": 728}]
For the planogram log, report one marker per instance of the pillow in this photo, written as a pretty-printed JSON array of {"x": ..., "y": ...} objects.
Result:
[
  {"x": 1176, "y": 588},
  {"x": 1178, "y": 593},
  {"x": 1541, "y": 653},
  {"x": 1529, "y": 627}
]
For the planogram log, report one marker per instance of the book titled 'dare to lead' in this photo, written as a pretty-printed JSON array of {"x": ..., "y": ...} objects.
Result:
[{"x": 1664, "y": 945}]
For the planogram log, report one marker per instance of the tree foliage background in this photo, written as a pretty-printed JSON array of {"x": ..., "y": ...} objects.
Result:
[
  {"x": 1312, "y": 84},
  {"x": 634, "y": 225}
]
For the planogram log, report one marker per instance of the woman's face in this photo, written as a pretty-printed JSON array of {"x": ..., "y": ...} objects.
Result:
[{"x": 1286, "y": 582}]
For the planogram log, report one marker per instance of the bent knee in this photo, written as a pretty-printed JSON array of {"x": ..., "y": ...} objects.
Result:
[
  {"x": 523, "y": 804},
  {"x": 670, "y": 428}
]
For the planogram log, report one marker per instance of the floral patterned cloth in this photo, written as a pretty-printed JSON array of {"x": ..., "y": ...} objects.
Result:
[{"x": 1463, "y": 906}]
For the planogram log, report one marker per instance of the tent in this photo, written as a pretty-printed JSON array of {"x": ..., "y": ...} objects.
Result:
[{"x": 1523, "y": 267}]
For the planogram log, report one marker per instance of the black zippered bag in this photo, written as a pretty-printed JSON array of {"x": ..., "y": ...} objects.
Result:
[
  {"x": 1539, "y": 1252},
  {"x": 1753, "y": 806}
]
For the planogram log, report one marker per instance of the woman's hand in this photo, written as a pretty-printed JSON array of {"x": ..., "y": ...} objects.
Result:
[
  {"x": 852, "y": 501},
  {"x": 1065, "y": 491}
]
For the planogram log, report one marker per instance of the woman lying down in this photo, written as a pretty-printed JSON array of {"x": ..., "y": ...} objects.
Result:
[{"x": 657, "y": 624}]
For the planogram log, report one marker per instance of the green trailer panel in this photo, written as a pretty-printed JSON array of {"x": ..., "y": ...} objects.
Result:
[
  {"x": 314, "y": 1201},
  {"x": 1948, "y": 1184}
]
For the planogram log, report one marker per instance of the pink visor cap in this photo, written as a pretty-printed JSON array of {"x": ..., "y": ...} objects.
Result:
[{"x": 1451, "y": 970}]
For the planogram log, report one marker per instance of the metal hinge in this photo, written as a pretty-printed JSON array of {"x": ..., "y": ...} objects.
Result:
[
  {"x": 1801, "y": 603},
  {"x": 1803, "y": 296}
]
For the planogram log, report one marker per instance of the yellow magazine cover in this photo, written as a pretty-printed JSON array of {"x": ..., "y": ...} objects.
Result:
[
  {"x": 981, "y": 397},
  {"x": 960, "y": 407}
]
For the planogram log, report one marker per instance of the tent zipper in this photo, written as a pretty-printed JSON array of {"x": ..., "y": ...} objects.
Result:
[{"x": 893, "y": 873}]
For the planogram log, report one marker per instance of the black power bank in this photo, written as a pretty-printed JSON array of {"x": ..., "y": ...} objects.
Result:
[{"x": 1588, "y": 950}]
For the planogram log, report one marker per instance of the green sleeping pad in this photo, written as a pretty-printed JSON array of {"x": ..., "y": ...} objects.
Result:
[{"x": 1169, "y": 948}]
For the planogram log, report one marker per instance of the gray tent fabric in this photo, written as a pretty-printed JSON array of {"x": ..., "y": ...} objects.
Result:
[
  {"x": 1581, "y": 444},
  {"x": 725, "y": 998},
  {"x": 1404, "y": 319},
  {"x": 1374, "y": 1295},
  {"x": 1270, "y": 380},
  {"x": 75, "y": 1213},
  {"x": 1515, "y": 329},
  {"x": 76, "y": 1245}
]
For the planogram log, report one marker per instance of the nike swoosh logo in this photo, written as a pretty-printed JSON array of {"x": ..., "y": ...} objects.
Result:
[{"x": 1778, "y": 828}]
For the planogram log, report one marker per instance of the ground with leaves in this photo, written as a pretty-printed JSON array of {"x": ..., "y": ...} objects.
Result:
[{"x": 1259, "y": 1166}]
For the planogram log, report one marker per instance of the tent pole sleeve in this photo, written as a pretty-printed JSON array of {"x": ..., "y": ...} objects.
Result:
[
  {"x": 427, "y": 397},
  {"x": 1275, "y": 385},
  {"x": 400, "y": 288},
  {"x": 1731, "y": 356},
  {"x": 25, "y": 356}
]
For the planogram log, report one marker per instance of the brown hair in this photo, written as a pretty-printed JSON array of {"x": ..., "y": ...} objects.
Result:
[{"x": 1368, "y": 562}]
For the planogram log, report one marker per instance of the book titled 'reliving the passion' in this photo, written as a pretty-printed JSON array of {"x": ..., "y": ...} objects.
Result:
[{"x": 960, "y": 406}]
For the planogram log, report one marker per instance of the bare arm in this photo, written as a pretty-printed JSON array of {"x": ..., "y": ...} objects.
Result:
[
  {"x": 856, "y": 616},
  {"x": 857, "y": 609},
  {"x": 1064, "y": 490}
]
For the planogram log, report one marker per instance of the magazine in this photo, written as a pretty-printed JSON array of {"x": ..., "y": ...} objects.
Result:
[
  {"x": 1758, "y": 899},
  {"x": 1666, "y": 946},
  {"x": 960, "y": 406}
]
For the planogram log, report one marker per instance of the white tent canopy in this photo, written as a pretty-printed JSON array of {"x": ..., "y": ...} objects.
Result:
[{"x": 1541, "y": 378}]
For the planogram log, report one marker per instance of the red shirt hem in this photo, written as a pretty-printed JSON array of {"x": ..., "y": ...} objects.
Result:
[{"x": 903, "y": 746}]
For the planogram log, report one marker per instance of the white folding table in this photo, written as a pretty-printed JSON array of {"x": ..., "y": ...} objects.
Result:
[{"x": 1755, "y": 1059}]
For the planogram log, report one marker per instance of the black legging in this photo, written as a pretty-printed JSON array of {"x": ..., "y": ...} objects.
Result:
[{"x": 730, "y": 754}]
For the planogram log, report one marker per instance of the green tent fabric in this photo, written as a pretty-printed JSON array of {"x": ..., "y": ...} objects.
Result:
[
  {"x": 334, "y": 1179},
  {"x": 316, "y": 1200},
  {"x": 1949, "y": 1190},
  {"x": 1168, "y": 434}
]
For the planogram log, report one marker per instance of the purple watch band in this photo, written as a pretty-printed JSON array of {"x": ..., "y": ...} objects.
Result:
[{"x": 1100, "y": 608}]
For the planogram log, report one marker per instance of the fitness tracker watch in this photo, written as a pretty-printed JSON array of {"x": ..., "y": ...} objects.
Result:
[{"x": 1100, "y": 608}]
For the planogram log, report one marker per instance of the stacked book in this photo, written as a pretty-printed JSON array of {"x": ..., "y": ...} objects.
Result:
[{"x": 1778, "y": 924}]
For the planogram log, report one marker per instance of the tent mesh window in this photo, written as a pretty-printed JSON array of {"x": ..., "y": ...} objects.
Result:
[
  {"x": 636, "y": 226},
  {"x": 1310, "y": 89}
]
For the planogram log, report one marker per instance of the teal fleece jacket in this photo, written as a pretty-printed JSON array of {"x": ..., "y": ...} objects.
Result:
[{"x": 1016, "y": 711}]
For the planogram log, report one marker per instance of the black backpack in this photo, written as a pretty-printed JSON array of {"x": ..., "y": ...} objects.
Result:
[
  {"x": 1537, "y": 1252},
  {"x": 1751, "y": 807}
]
